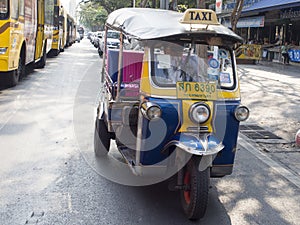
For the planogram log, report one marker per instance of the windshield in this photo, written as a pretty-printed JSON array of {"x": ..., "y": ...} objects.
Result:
[
  {"x": 3, "y": 9},
  {"x": 173, "y": 63},
  {"x": 112, "y": 34}
]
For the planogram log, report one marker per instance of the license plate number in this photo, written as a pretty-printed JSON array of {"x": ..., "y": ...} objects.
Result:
[{"x": 196, "y": 90}]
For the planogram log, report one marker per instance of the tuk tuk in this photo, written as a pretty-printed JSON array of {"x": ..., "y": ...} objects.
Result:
[{"x": 170, "y": 99}]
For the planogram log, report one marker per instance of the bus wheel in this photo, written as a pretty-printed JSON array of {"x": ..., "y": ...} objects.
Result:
[
  {"x": 14, "y": 76},
  {"x": 101, "y": 138},
  {"x": 194, "y": 194},
  {"x": 56, "y": 52},
  {"x": 42, "y": 62}
]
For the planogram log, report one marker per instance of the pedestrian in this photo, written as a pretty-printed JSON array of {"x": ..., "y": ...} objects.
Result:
[{"x": 285, "y": 53}]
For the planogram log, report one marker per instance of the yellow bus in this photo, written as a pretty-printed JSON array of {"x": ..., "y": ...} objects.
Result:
[
  {"x": 17, "y": 46},
  {"x": 45, "y": 14},
  {"x": 57, "y": 38},
  {"x": 71, "y": 30},
  {"x": 26, "y": 37}
]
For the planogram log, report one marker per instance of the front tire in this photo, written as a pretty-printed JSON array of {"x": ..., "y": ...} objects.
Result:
[
  {"x": 13, "y": 77},
  {"x": 194, "y": 197},
  {"x": 101, "y": 138}
]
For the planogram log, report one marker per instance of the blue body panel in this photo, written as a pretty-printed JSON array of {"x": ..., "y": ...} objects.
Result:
[
  {"x": 155, "y": 135},
  {"x": 162, "y": 131},
  {"x": 227, "y": 128}
]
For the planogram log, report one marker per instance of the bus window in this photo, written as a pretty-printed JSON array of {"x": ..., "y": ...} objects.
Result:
[
  {"x": 15, "y": 9},
  {"x": 21, "y": 8},
  {"x": 3, "y": 7}
]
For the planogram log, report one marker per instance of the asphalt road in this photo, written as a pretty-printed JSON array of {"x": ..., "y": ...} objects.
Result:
[{"x": 49, "y": 174}]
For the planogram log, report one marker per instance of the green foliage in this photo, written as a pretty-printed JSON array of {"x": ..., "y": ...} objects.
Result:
[
  {"x": 92, "y": 15},
  {"x": 112, "y": 5}
]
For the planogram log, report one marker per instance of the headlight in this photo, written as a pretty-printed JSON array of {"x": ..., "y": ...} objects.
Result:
[
  {"x": 199, "y": 113},
  {"x": 150, "y": 110},
  {"x": 3, "y": 51},
  {"x": 241, "y": 113}
]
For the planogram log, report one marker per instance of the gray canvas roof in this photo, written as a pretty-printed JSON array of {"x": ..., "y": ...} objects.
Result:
[{"x": 147, "y": 23}]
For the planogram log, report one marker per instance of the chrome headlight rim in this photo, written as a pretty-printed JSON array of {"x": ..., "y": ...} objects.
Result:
[
  {"x": 148, "y": 108},
  {"x": 194, "y": 107},
  {"x": 241, "y": 113}
]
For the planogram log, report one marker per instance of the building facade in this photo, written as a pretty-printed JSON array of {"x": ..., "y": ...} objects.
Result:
[{"x": 269, "y": 23}]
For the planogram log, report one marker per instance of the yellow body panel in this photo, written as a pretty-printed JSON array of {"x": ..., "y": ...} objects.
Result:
[
  {"x": 12, "y": 37},
  {"x": 150, "y": 89},
  {"x": 58, "y": 29},
  {"x": 186, "y": 121},
  {"x": 40, "y": 32}
]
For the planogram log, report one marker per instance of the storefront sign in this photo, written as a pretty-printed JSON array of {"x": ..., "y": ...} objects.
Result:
[
  {"x": 294, "y": 55},
  {"x": 249, "y": 51},
  {"x": 219, "y": 6},
  {"x": 258, "y": 21},
  {"x": 290, "y": 13}
]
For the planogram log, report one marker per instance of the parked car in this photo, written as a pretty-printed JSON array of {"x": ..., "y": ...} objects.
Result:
[{"x": 113, "y": 41}]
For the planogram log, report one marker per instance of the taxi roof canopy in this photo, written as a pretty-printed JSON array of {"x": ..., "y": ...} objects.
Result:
[{"x": 150, "y": 24}]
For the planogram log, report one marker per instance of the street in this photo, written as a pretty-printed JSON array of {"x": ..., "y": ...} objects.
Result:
[{"x": 49, "y": 174}]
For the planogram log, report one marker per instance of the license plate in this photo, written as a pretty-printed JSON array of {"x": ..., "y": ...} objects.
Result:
[{"x": 196, "y": 90}]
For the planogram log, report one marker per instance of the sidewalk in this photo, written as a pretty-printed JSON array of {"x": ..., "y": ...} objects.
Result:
[
  {"x": 272, "y": 93},
  {"x": 293, "y": 66}
]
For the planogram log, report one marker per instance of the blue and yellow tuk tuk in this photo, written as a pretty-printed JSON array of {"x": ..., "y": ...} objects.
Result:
[{"x": 170, "y": 99}]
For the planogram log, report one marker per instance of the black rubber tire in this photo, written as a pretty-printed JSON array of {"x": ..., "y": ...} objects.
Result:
[
  {"x": 13, "y": 77},
  {"x": 101, "y": 138},
  {"x": 195, "y": 200},
  {"x": 42, "y": 62}
]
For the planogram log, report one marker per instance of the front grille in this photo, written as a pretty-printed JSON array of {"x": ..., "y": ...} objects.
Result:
[{"x": 198, "y": 129}]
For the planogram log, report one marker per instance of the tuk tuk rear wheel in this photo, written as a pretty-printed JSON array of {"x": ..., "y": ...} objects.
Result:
[
  {"x": 101, "y": 138},
  {"x": 194, "y": 196}
]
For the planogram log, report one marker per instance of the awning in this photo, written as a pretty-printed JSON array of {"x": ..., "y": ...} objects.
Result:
[
  {"x": 266, "y": 5},
  {"x": 257, "y": 21}
]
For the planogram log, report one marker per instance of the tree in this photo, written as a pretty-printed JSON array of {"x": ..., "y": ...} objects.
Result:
[
  {"x": 236, "y": 13},
  {"x": 92, "y": 15},
  {"x": 200, "y": 4},
  {"x": 112, "y": 5}
]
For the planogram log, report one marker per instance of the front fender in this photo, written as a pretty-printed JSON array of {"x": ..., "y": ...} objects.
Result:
[{"x": 196, "y": 144}]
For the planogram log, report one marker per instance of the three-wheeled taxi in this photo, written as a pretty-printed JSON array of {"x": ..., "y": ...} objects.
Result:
[{"x": 170, "y": 98}]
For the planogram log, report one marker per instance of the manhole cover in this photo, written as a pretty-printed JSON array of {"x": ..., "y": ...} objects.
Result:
[
  {"x": 257, "y": 132},
  {"x": 250, "y": 127}
]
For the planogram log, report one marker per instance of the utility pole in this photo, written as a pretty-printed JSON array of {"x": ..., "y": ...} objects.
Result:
[{"x": 164, "y": 4}]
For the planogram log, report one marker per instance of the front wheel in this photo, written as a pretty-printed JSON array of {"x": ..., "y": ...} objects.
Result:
[
  {"x": 101, "y": 138},
  {"x": 194, "y": 195},
  {"x": 14, "y": 76}
]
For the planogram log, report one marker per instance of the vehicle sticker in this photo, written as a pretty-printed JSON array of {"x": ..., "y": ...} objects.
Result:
[
  {"x": 225, "y": 78},
  {"x": 214, "y": 63},
  {"x": 223, "y": 54}
]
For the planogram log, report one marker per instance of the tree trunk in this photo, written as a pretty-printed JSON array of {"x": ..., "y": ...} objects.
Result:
[
  {"x": 143, "y": 3},
  {"x": 236, "y": 13},
  {"x": 201, "y": 4}
]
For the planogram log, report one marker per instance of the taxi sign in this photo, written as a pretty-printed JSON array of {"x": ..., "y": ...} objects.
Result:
[
  {"x": 196, "y": 90},
  {"x": 200, "y": 16}
]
